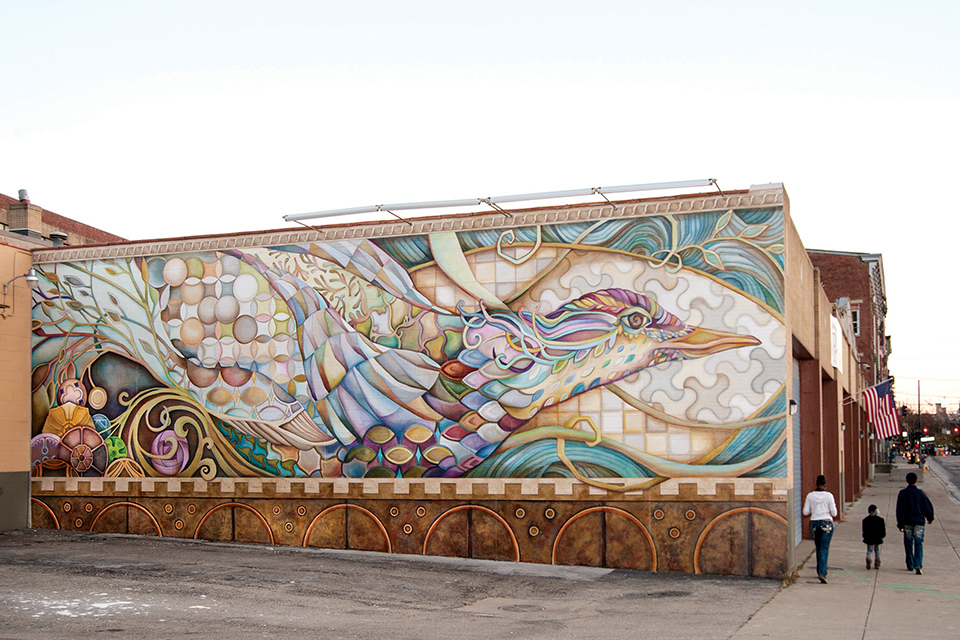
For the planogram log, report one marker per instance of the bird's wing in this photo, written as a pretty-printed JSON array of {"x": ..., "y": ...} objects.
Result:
[
  {"x": 355, "y": 383},
  {"x": 358, "y": 384},
  {"x": 352, "y": 275}
]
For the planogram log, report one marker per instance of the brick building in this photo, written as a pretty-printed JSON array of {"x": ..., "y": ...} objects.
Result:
[
  {"x": 854, "y": 284},
  {"x": 858, "y": 278},
  {"x": 44, "y": 228}
]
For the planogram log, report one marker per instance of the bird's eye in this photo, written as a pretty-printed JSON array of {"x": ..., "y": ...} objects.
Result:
[{"x": 635, "y": 320}]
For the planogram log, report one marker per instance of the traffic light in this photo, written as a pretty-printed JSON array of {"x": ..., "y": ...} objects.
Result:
[
  {"x": 956, "y": 430},
  {"x": 926, "y": 430}
]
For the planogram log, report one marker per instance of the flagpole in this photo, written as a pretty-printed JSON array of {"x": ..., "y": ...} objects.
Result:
[{"x": 853, "y": 398}]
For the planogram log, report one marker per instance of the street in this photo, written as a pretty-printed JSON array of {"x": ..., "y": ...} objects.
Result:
[
  {"x": 950, "y": 464},
  {"x": 57, "y": 584},
  {"x": 951, "y": 467}
]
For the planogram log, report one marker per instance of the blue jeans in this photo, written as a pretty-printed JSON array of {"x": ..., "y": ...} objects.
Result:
[
  {"x": 821, "y": 531},
  {"x": 913, "y": 545}
]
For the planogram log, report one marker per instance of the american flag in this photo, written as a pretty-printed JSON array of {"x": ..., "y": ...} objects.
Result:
[{"x": 882, "y": 412}]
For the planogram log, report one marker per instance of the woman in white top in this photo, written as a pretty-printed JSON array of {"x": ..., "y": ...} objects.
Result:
[{"x": 822, "y": 509}]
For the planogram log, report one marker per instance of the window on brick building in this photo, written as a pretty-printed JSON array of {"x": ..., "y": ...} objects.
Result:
[{"x": 855, "y": 315}]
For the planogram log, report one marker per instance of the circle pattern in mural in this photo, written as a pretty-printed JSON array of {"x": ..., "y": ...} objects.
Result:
[
  {"x": 674, "y": 533},
  {"x": 408, "y": 528},
  {"x": 97, "y": 398},
  {"x": 658, "y": 514},
  {"x": 170, "y": 453},
  {"x": 549, "y": 513},
  {"x": 534, "y": 531},
  {"x": 520, "y": 512},
  {"x": 43, "y": 447},
  {"x": 690, "y": 514},
  {"x": 84, "y": 450},
  {"x": 226, "y": 312}
]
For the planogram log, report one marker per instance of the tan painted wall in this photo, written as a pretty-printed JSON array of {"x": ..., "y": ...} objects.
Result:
[
  {"x": 801, "y": 289},
  {"x": 808, "y": 311},
  {"x": 15, "y": 355},
  {"x": 823, "y": 328}
]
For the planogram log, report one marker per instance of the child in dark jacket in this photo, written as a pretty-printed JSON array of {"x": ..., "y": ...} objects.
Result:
[{"x": 874, "y": 531}]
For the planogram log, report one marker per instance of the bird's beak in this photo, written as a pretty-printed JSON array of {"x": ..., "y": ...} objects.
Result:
[{"x": 703, "y": 342}]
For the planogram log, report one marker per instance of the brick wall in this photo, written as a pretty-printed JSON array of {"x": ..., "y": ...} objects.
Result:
[{"x": 848, "y": 275}]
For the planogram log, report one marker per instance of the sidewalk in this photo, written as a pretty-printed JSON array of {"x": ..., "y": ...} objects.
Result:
[{"x": 875, "y": 605}]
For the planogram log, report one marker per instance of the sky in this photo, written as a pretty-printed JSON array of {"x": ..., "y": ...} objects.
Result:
[{"x": 157, "y": 119}]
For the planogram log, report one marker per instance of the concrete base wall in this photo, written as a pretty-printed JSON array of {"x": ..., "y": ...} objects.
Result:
[
  {"x": 14, "y": 500},
  {"x": 712, "y": 526}
]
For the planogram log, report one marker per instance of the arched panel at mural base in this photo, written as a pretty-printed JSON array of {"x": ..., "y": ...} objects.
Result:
[
  {"x": 626, "y": 545},
  {"x": 747, "y": 541},
  {"x": 471, "y": 531},
  {"x": 348, "y": 526},
  {"x": 126, "y": 517},
  {"x": 234, "y": 522},
  {"x": 42, "y": 516}
]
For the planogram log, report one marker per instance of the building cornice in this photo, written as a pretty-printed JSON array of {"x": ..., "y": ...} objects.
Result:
[{"x": 462, "y": 222}]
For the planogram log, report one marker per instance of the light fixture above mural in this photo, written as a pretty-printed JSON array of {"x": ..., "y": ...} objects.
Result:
[{"x": 495, "y": 201}]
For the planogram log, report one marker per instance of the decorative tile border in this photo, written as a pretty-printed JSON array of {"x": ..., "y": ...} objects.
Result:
[{"x": 774, "y": 489}]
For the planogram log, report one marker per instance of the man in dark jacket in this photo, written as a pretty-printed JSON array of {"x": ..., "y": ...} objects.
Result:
[
  {"x": 913, "y": 508},
  {"x": 874, "y": 531}
]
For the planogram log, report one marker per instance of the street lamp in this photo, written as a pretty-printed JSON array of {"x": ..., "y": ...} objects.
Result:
[
  {"x": 30, "y": 275},
  {"x": 32, "y": 280}
]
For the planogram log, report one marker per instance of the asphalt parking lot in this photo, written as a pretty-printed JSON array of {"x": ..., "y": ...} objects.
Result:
[{"x": 56, "y": 584}]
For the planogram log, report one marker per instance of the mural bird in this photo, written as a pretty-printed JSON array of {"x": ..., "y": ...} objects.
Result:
[
  {"x": 432, "y": 411},
  {"x": 368, "y": 372}
]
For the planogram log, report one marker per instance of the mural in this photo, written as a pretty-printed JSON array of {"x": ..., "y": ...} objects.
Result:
[{"x": 618, "y": 352}]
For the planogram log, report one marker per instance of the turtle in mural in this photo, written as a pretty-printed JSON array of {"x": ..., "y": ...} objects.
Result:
[{"x": 332, "y": 351}]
